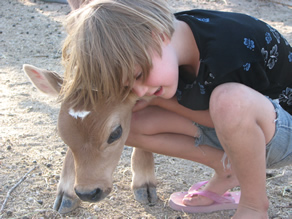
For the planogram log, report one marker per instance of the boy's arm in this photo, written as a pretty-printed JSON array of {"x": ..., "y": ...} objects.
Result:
[{"x": 199, "y": 116}]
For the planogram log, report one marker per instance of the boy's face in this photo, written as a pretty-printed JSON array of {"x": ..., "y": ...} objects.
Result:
[{"x": 163, "y": 77}]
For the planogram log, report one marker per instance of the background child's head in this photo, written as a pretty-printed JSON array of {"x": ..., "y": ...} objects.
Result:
[{"x": 107, "y": 40}]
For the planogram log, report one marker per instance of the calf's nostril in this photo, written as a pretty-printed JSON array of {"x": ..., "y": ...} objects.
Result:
[{"x": 92, "y": 196}]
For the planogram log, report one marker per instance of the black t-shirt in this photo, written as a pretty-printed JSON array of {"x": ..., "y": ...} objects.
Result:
[{"x": 236, "y": 48}]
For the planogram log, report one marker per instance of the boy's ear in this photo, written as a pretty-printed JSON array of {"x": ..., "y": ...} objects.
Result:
[{"x": 164, "y": 38}]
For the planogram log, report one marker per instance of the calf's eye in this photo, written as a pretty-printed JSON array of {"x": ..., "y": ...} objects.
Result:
[{"x": 115, "y": 135}]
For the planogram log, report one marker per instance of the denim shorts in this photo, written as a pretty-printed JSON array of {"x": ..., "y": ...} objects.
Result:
[{"x": 278, "y": 150}]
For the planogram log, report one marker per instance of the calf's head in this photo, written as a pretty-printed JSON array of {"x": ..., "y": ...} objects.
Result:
[{"x": 96, "y": 136}]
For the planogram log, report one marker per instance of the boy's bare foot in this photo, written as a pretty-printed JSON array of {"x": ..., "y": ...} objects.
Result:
[
  {"x": 218, "y": 184},
  {"x": 244, "y": 212}
]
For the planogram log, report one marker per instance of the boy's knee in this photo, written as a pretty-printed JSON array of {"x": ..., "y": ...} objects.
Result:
[
  {"x": 135, "y": 130},
  {"x": 136, "y": 122},
  {"x": 131, "y": 139},
  {"x": 139, "y": 126},
  {"x": 229, "y": 103}
]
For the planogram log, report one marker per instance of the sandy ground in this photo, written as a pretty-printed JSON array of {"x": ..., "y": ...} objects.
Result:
[{"x": 31, "y": 32}]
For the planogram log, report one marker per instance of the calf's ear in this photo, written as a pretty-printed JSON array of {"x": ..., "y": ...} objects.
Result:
[{"x": 46, "y": 81}]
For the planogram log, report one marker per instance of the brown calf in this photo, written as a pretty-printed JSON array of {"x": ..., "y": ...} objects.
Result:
[{"x": 96, "y": 140}]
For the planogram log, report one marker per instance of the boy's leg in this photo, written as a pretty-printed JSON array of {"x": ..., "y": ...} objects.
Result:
[
  {"x": 160, "y": 131},
  {"x": 245, "y": 122}
]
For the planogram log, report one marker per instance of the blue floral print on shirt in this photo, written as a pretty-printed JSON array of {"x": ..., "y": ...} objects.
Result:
[
  {"x": 290, "y": 57},
  {"x": 286, "y": 96},
  {"x": 202, "y": 89},
  {"x": 204, "y": 19},
  {"x": 246, "y": 66},
  {"x": 268, "y": 38},
  {"x": 249, "y": 43},
  {"x": 271, "y": 59},
  {"x": 275, "y": 33}
]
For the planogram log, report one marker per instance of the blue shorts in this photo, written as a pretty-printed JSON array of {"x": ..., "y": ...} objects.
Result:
[{"x": 278, "y": 150}]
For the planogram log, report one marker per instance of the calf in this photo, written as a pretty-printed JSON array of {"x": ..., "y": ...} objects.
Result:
[{"x": 96, "y": 140}]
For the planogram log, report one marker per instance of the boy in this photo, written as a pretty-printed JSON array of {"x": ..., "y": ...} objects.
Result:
[{"x": 214, "y": 75}]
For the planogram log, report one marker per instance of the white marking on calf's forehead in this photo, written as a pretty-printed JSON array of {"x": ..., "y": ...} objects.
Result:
[{"x": 78, "y": 114}]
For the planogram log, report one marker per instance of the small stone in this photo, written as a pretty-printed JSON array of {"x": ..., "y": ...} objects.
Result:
[
  {"x": 53, "y": 181},
  {"x": 30, "y": 200},
  {"x": 49, "y": 165},
  {"x": 40, "y": 202},
  {"x": 269, "y": 175},
  {"x": 96, "y": 208},
  {"x": 8, "y": 147}
]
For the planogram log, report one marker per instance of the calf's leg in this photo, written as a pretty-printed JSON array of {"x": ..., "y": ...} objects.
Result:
[
  {"x": 143, "y": 180},
  {"x": 66, "y": 199}
]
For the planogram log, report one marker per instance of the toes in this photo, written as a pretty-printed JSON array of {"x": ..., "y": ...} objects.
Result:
[
  {"x": 190, "y": 200},
  {"x": 196, "y": 200}
]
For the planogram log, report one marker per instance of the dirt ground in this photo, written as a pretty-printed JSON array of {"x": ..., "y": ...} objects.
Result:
[{"x": 31, "y": 32}]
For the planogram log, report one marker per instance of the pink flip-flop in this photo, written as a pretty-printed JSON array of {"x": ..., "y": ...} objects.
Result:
[{"x": 227, "y": 201}]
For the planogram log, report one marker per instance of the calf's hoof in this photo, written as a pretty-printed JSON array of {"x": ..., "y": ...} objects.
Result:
[
  {"x": 146, "y": 195},
  {"x": 64, "y": 204}
]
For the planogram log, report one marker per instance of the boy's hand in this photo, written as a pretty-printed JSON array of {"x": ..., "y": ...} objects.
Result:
[
  {"x": 140, "y": 104},
  {"x": 153, "y": 101}
]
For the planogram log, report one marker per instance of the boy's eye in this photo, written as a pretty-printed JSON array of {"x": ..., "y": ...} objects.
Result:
[{"x": 139, "y": 76}]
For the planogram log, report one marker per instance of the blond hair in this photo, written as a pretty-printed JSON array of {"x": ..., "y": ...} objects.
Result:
[{"x": 107, "y": 40}]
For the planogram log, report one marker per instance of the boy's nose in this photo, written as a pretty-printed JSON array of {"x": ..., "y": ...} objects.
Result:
[{"x": 139, "y": 90}]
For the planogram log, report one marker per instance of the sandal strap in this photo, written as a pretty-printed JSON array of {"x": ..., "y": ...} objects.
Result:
[
  {"x": 225, "y": 198},
  {"x": 197, "y": 186}
]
